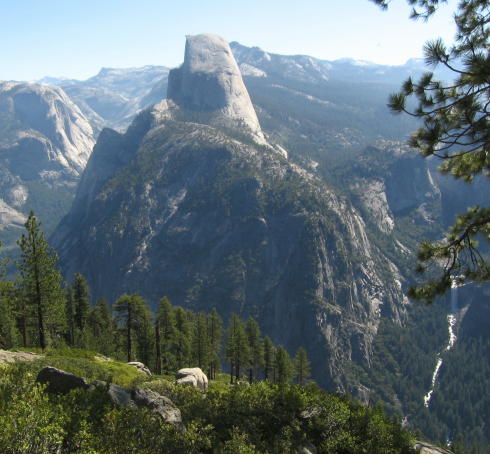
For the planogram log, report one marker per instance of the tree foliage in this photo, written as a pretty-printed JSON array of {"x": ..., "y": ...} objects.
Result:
[
  {"x": 456, "y": 129},
  {"x": 40, "y": 282}
]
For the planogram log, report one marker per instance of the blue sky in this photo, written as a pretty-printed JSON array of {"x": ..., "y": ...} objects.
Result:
[{"x": 75, "y": 38}]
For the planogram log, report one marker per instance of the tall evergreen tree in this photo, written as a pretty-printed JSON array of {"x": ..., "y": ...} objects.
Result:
[
  {"x": 101, "y": 325},
  {"x": 165, "y": 318},
  {"x": 201, "y": 347},
  {"x": 40, "y": 281},
  {"x": 182, "y": 342},
  {"x": 8, "y": 331},
  {"x": 237, "y": 347},
  {"x": 256, "y": 348},
  {"x": 128, "y": 310},
  {"x": 269, "y": 358},
  {"x": 283, "y": 366},
  {"x": 81, "y": 301},
  {"x": 215, "y": 328},
  {"x": 144, "y": 334},
  {"x": 70, "y": 314},
  {"x": 301, "y": 366}
]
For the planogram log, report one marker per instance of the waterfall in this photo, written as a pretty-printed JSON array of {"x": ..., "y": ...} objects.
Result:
[{"x": 451, "y": 323}]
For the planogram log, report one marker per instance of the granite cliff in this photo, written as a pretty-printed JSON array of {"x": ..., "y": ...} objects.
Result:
[
  {"x": 45, "y": 142},
  {"x": 192, "y": 204}
]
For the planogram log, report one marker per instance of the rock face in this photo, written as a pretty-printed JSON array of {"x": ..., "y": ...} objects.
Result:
[
  {"x": 114, "y": 96},
  {"x": 210, "y": 82},
  {"x": 193, "y": 376},
  {"x": 45, "y": 143},
  {"x": 182, "y": 206}
]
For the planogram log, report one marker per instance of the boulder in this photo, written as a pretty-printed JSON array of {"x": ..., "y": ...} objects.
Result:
[
  {"x": 141, "y": 367},
  {"x": 143, "y": 398},
  {"x": 189, "y": 380},
  {"x": 307, "y": 448},
  {"x": 60, "y": 382},
  {"x": 191, "y": 375},
  {"x": 426, "y": 448}
]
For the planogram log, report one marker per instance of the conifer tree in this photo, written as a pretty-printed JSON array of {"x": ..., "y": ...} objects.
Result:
[
  {"x": 256, "y": 348},
  {"x": 237, "y": 347},
  {"x": 8, "y": 331},
  {"x": 40, "y": 281},
  {"x": 101, "y": 325},
  {"x": 283, "y": 366},
  {"x": 81, "y": 301},
  {"x": 201, "y": 348},
  {"x": 301, "y": 366},
  {"x": 269, "y": 358},
  {"x": 144, "y": 334},
  {"x": 215, "y": 324},
  {"x": 70, "y": 315},
  {"x": 165, "y": 326},
  {"x": 128, "y": 310},
  {"x": 182, "y": 343}
]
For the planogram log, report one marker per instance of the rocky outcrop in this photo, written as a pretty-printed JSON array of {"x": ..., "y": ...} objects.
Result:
[
  {"x": 423, "y": 447},
  {"x": 192, "y": 376},
  {"x": 8, "y": 356},
  {"x": 141, "y": 367},
  {"x": 60, "y": 382},
  {"x": 209, "y": 82}
]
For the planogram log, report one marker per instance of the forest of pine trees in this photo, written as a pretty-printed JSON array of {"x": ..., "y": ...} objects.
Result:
[{"x": 39, "y": 310}]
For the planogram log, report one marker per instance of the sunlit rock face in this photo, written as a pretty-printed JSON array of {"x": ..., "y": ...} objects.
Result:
[
  {"x": 209, "y": 81},
  {"x": 45, "y": 143}
]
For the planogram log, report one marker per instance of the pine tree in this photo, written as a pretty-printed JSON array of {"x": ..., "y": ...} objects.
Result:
[
  {"x": 269, "y": 358},
  {"x": 165, "y": 321},
  {"x": 237, "y": 348},
  {"x": 40, "y": 281},
  {"x": 182, "y": 342},
  {"x": 8, "y": 331},
  {"x": 70, "y": 315},
  {"x": 128, "y": 310},
  {"x": 256, "y": 348},
  {"x": 101, "y": 325},
  {"x": 81, "y": 301},
  {"x": 301, "y": 366},
  {"x": 283, "y": 366},
  {"x": 215, "y": 324},
  {"x": 455, "y": 128},
  {"x": 144, "y": 334},
  {"x": 201, "y": 348}
]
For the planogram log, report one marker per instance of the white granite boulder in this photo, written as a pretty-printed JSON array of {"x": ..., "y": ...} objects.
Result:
[
  {"x": 141, "y": 367},
  {"x": 192, "y": 376}
]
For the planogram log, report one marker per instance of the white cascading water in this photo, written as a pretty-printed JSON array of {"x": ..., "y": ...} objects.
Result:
[{"x": 451, "y": 322}]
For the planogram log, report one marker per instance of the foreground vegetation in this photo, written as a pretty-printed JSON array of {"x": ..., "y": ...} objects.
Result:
[{"x": 264, "y": 417}]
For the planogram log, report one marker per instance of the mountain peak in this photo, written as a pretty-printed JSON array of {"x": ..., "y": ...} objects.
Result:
[{"x": 210, "y": 81}]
